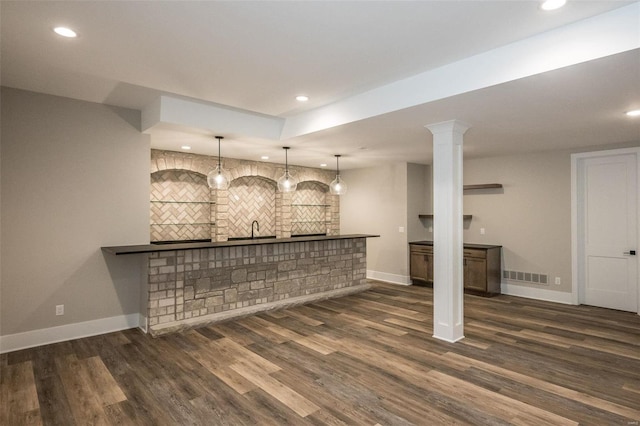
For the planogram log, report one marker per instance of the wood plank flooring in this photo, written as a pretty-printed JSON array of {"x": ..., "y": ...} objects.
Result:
[{"x": 366, "y": 359}]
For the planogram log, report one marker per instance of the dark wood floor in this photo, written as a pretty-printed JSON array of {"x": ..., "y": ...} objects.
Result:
[{"x": 366, "y": 359}]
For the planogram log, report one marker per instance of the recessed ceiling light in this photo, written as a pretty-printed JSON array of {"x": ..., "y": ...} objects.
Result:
[
  {"x": 302, "y": 98},
  {"x": 65, "y": 32},
  {"x": 633, "y": 113},
  {"x": 264, "y": 157},
  {"x": 552, "y": 4},
  {"x": 323, "y": 165},
  {"x": 186, "y": 147}
]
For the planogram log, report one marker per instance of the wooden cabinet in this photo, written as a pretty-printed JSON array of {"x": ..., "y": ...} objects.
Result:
[
  {"x": 482, "y": 265},
  {"x": 482, "y": 270},
  {"x": 421, "y": 264}
]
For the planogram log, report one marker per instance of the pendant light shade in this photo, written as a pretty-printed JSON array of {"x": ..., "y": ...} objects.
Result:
[
  {"x": 218, "y": 178},
  {"x": 338, "y": 186},
  {"x": 287, "y": 183}
]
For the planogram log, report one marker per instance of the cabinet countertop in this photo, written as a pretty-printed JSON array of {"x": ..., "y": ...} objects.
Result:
[
  {"x": 466, "y": 245},
  {"x": 152, "y": 248}
]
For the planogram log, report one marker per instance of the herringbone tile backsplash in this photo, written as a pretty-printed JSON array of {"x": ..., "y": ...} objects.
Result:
[
  {"x": 252, "y": 198},
  {"x": 180, "y": 208},
  {"x": 309, "y": 209},
  {"x": 184, "y": 208}
]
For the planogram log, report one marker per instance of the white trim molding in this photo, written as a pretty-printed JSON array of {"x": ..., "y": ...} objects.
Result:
[
  {"x": 388, "y": 278},
  {"x": 62, "y": 333},
  {"x": 576, "y": 235},
  {"x": 537, "y": 293}
]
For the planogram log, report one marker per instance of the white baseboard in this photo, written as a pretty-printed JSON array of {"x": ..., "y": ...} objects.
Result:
[
  {"x": 45, "y": 336},
  {"x": 142, "y": 323},
  {"x": 537, "y": 293},
  {"x": 388, "y": 278}
]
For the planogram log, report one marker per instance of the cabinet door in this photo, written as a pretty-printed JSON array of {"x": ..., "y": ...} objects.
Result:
[
  {"x": 418, "y": 266},
  {"x": 429, "y": 260},
  {"x": 475, "y": 273}
]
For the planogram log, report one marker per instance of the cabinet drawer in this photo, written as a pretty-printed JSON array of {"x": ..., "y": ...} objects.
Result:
[
  {"x": 422, "y": 249},
  {"x": 480, "y": 254}
]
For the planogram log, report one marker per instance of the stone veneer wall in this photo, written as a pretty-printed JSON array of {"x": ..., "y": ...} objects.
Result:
[
  {"x": 199, "y": 283},
  {"x": 220, "y": 225}
]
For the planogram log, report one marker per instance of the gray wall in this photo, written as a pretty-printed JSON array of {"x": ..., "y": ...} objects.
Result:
[
  {"x": 75, "y": 177},
  {"x": 377, "y": 204}
]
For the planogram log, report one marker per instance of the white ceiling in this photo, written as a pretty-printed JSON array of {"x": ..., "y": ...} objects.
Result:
[{"x": 257, "y": 56}]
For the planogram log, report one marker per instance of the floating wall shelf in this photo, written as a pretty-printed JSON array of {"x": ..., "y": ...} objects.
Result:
[
  {"x": 482, "y": 186},
  {"x": 430, "y": 216},
  {"x": 468, "y": 188}
]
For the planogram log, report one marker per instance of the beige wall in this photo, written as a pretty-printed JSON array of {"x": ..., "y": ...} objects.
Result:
[
  {"x": 75, "y": 177},
  {"x": 530, "y": 217},
  {"x": 377, "y": 204},
  {"x": 418, "y": 201}
]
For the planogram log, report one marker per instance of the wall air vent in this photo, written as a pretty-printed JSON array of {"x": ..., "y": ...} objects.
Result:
[{"x": 528, "y": 277}]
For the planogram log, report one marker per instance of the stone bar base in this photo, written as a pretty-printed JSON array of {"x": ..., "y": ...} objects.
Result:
[
  {"x": 199, "y": 286},
  {"x": 177, "y": 326}
]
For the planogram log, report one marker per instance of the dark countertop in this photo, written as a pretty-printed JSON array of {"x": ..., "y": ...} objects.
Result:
[
  {"x": 466, "y": 245},
  {"x": 153, "y": 248}
]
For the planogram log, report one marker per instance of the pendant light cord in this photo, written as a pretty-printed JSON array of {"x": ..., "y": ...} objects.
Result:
[
  {"x": 286, "y": 160},
  {"x": 219, "y": 138}
]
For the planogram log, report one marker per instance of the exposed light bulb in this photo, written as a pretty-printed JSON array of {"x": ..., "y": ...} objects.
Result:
[
  {"x": 218, "y": 178},
  {"x": 633, "y": 113},
  {"x": 287, "y": 183},
  {"x": 302, "y": 98},
  {"x": 337, "y": 186}
]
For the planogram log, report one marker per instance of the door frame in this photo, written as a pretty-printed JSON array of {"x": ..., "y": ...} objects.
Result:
[{"x": 577, "y": 238}]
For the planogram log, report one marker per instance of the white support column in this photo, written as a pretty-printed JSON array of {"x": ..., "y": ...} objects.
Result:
[{"x": 448, "y": 292}]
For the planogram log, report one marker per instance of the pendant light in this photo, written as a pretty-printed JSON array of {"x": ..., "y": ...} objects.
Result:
[
  {"x": 338, "y": 186},
  {"x": 287, "y": 183},
  {"x": 218, "y": 178}
]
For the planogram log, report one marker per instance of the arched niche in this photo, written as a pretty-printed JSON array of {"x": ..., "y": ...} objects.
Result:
[
  {"x": 251, "y": 198},
  {"x": 180, "y": 206},
  {"x": 310, "y": 209}
]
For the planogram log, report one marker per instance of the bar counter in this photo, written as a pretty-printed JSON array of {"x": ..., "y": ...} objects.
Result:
[
  {"x": 152, "y": 248},
  {"x": 194, "y": 284}
]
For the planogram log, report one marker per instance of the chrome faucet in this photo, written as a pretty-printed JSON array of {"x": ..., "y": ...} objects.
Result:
[{"x": 257, "y": 227}]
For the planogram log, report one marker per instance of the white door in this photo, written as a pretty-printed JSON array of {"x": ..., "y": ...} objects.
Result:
[{"x": 609, "y": 226}]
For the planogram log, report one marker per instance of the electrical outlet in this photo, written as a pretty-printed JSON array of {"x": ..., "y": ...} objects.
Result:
[
  {"x": 481, "y": 231},
  {"x": 59, "y": 309},
  {"x": 400, "y": 228},
  {"x": 558, "y": 281}
]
